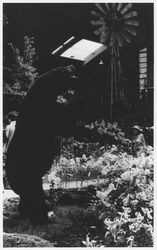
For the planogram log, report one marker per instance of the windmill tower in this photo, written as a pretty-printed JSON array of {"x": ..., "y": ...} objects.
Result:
[{"x": 116, "y": 24}]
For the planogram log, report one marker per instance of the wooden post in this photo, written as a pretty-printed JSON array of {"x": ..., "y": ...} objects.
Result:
[
  {"x": 112, "y": 82},
  {"x": 102, "y": 104}
]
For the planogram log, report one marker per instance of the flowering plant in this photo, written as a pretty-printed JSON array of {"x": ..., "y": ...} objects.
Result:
[
  {"x": 127, "y": 199},
  {"x": 124, "y": 196}
]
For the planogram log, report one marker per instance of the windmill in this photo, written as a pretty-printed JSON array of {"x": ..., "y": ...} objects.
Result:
[{"x": 116, "y": 24}]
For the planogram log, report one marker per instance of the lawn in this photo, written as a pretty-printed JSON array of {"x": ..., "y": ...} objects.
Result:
[{"x": 69, "y": 228}]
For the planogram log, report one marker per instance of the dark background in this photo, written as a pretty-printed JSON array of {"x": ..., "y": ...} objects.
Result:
[{"x": 53, "y": 23}]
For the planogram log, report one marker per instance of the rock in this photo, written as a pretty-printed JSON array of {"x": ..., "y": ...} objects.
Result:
[{"x": 24, "y": 240}]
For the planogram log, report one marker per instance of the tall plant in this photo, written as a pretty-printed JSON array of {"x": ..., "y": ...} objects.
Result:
[{"x": 19, "y": 73}]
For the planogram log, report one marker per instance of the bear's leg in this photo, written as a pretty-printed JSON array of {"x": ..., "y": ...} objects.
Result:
[
  {"x": 23, "y": 206},
  {"x": 32, "y": 202}
]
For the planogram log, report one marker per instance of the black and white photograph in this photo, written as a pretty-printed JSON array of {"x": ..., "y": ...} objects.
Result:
[{"x": 78, "y": 124}]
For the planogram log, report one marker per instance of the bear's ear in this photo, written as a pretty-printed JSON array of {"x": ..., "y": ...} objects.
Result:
[
  {"x": 71, "y": 71},
  {"x": 70, "y": 68}
]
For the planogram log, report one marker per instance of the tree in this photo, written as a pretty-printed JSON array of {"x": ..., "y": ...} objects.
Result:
[{"x": 19, "y": 73}]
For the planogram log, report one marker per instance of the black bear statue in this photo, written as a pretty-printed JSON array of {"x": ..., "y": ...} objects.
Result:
[{"x": 41, "y": 118}]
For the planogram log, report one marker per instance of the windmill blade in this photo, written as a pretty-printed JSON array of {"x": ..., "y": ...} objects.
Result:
[
  {"x": 101, "y": 18},
  {"x": 127, "y": 37},
  {"x": 103, "y": 28},
  {"x": 107, "y": 6},
  {"x": 99, "y": 15},
  {"x": 119, "y": 6},
  {"x": 131, "y": 30},
  {"x": 95, "y": 22},
  {"x": 113, "y": 5},
  {"x": 100, "y": 30},
  {"x": 100, "y": 8},
  {"x": 120, "y": 40},
  {"x": 93, "y": 12},
  {"x": 127, "y": 7},
  {"x": 104, "y": 36},
  {"x": 102, "y": 39},
  {"x": 132, "y": 22},
  {"x": 106, "y": 12},
  {"x": 130, "y": 15}
]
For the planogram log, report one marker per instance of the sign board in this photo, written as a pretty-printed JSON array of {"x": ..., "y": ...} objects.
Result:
[{"x": 83, "y": 50}]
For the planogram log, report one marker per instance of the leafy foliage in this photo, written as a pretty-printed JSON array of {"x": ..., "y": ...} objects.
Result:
[
  {"x": 110, "y": 133},
  {"x": 19, "y": 73},
  {"x": 124, "y": 197}
]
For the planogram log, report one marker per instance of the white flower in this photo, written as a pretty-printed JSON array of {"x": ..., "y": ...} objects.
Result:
[
  {"x": 133, "y": 227},
  {"x": 98, "y": 163},
  {"x": 77, "y": 160},
  {"x": 127, "y": 176},
  {"x": 111, "y": 187},
  {"x": 84, "y": 157},
  {"x": 134, "y": 202},
  {"x": 139, "y": 216},
  {"x": 125, "y": 201},
  {"x": 63, "y": 161},
  {"x": 151, "y": 203},
  {"x": 108, "y": 222},
  {"x": 126, "y": 210},
  {"x": 101, "y": 195},
  {"x": 147, "y": 212},
  {"x": 113, "y": 148},
  {"x": 57, "y": 180},
  {"x": 71, "y": 162},
  {"x": 104, "y": 170},
  {"x": 147, "y": 172},
  {"x": 52, "y": 176}
]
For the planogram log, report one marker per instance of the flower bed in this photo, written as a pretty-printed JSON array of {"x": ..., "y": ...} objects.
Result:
[{"x": 124, "y": 196}]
